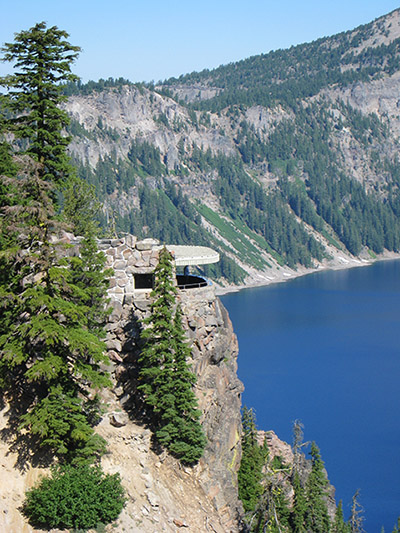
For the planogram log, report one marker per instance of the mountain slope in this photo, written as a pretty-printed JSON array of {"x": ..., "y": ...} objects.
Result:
[
  {"x": 302, "y": 71},
  {"x": 283, "y": 162}
]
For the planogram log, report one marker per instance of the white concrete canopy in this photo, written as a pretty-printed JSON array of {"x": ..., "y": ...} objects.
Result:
[{"x": 192, "y": 255}]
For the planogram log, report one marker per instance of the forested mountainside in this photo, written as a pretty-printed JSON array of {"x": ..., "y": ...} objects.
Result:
[{"x": 286, "y": 160}]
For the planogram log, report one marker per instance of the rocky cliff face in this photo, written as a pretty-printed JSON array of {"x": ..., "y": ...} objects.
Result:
[
  {"x": 162, "y": 495},
  {"x": 132, "y": 112}
]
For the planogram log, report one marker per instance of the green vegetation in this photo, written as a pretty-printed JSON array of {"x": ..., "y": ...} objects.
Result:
[
  {"x": 144, "y": 155},
  {"x": 316, "y": 517},
  {"x": 228, "y": 229},
  {"x": 264, "y": 485},
  {"x": 282, "y": 180},
  {"x": 250, "y": 473},
  {"x": 77, "y": 87},
  {"x": 168, "y": 215},
  {"x": 313, "y": 191},
  {"x": 53, "y": 306},
  {"x": 110, "y": 173},
  {"x": 266, "y": 214},
  {"x": 43, "y": 60},
  {"x": 302, "y": 71},
  {"x": 50, "y": 337},
  {"x": 75, "y": 498},
  {"x": 328, "y": 196},
  {"x": 165, "y": 377}
]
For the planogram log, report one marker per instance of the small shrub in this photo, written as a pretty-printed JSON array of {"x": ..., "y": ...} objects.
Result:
[{"x": 75, "y": 497}]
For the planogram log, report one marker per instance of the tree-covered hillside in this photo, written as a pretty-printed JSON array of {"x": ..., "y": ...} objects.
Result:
[
  {"x": 284, "y": 76},
  {"x": 281, "y": 161}
]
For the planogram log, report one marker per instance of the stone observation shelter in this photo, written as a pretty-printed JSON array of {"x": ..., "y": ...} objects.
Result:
[{"x": 133, "y": 262}]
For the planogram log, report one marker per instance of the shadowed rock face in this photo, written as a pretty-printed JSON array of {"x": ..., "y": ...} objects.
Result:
[{"x": 219, "y": 391}]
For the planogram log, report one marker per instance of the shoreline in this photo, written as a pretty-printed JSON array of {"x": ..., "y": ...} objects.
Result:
[{"x": 261, "y": 279}]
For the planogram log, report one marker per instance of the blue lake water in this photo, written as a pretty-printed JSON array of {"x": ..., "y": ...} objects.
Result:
[{"x": 325, "y": 349}]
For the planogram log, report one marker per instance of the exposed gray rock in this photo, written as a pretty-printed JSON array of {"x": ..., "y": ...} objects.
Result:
[
  {"x": 114, "y": 344},
  {"x": 118, "y": 420},
  {"x": 153, "y": 499},
  {"x": 130, "y": 241},
  {"x": 114, "y": 356}
]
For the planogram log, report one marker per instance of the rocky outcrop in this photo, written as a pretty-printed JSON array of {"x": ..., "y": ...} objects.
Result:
[
  {"x": 284, "y": 452},
  {"x": 214, "y": 360},
  {"x": 132, "y": 112},
  {"x": 194, "y": 93}
]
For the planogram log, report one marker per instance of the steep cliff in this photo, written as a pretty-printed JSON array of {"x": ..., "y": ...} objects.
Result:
[{"x": 162, "y": 495}]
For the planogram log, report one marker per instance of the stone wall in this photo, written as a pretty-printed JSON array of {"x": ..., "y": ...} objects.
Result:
[{"x": 127, "y": 256}]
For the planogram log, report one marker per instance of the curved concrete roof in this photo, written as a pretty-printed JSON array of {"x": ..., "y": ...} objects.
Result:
[{"x": 192, "y": 255}]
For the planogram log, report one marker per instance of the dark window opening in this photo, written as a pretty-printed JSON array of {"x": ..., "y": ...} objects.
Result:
[{"x": 143, "y": 281}]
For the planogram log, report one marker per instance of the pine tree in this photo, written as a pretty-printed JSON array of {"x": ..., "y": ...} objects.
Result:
[
  {"x": 60, "y": 421},
  {"x": 166, "y": 380},
  {"x": 80, "y": 206},
  {"x": 317, "y": 519},
  {"x": 48, "y": 334},
  {"x": 157, "y": 350},
  {"x": 261, "y": 484},
  {"x": 91, "y": 278},
  {"x": 339, "y": 525},
  {"x": 51, "y": 306},
  {"x": 299, "y": 510},
  {"x": 250, "y": 473},
  {"x": 8, "y": 169},
  {"x": 180, "y": 430},
  {"x": 43, "y": 58}
]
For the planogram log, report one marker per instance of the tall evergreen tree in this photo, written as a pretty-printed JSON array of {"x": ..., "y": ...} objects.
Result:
[
  {"x": 166, "y": 380},
  {"x": 250, "y": 473},
  {"x": 339, "y": 525},
  {"x": 299, "y": 510},
  {"x": 52, "y": 306},
  {"x": 317, "y": 519},
  {"x": 42, "y": 58},
  {"x": 48, "y": 339},
  {"x": 262, "y": 483},
  {"x": 81, "y": 207}
]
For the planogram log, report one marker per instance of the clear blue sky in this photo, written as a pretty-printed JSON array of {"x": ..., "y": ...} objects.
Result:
[{"x": 154, "y": 40}]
